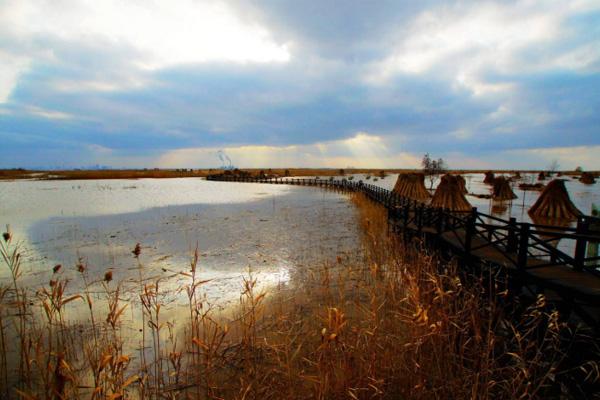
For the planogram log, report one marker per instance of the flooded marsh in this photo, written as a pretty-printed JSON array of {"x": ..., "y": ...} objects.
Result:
[{"x": 196, "y": 289}]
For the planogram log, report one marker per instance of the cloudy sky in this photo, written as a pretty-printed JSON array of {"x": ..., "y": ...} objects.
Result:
[{"x": 151, "y": 83}]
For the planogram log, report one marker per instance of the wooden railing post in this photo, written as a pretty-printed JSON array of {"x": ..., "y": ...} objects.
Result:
[
  {"x": 581, "y": 243},
  {"x": 523, "y": 246},
  {"x": 469, "y": 230},
  {"x": 511, "y": 243},
  {"x": 440, "y": 221}
]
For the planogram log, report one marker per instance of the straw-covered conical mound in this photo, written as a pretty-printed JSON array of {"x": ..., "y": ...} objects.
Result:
[
  {"x": 412, "y": 186},
  {"x": 463, "y": 183},
  {"x": 554, "y": 203},
  {"x": 499, "y": 208},
  {"x": 502, "y": 189},
  {"x": 449, "y": 194},
  {"x": 489, "y": 178},
  {"x": 587, "y": 178}
]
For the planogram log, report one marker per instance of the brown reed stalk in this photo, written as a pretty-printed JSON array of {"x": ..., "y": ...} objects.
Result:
[
  {"x": 11, "y": 257},
  {"x": 386, "y": 320}
]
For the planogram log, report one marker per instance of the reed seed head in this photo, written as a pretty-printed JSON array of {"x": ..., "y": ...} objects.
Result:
[
  {"x": 108, "y": 276},
  {"x": 56, "y": 268},
  {"x": 137, "y": 250}
]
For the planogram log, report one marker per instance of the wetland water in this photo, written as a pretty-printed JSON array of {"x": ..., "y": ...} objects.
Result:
[
  {"x": 273, "y": 230},
  {"x": 583, "y": 196}
]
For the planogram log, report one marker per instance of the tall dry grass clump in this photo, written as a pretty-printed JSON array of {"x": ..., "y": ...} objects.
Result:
[{"x": 390, "y": 320}]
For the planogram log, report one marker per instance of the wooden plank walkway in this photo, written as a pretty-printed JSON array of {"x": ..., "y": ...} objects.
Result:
[
  {"x": 556, "y": 277},
  {"x": 527, "y": 252}
]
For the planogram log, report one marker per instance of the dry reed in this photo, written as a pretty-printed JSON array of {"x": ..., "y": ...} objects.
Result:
[{"x": 391, "y": 320}]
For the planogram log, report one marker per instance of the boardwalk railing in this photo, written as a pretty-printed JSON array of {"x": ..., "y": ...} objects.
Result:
[{"x": 519, "y": 245}]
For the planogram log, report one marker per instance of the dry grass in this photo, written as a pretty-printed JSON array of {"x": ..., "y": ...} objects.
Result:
[
  {"x": 387, "y": 322},
  {"x": 104, "y": 174},
  {"x": 10, "y": 174},
  {"x": 170, "y": 173}
]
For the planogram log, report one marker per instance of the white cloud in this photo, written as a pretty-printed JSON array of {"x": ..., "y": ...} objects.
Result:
[
  {"x": 462, "y": 134},
  {"x": 463, "y": 42},
  {"x": 164, "y": 32},
  {"x": 534, "y": 158},
  {"x": 64, "y": 85},
  {"x": 146, "y": 35},
  {"x": 49, "y": 114},
  {"x": 11, "y": 68},
  {"x": 478, "y": 87},
  {"x": 568, "y": 157},
  {"x": 361, "y": 150},
  {"x": 365, "y": 150},
  {"x": 586, "y": 56},
  {"x": 99, "y": 150}
]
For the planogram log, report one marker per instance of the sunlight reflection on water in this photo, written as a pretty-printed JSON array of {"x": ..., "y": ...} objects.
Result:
[{"x": 270, "y": 228}]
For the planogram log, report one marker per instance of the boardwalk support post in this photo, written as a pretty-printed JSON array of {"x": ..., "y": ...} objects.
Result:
[
  {"x": 420, "y": 216},
  {"x": 440, "y": 221},
  {"x": 511, "y": 243},
  {"x": 523, "y": 246},
  {"x": 469, "y": 231},
  {"x": 580, "y": 245}
]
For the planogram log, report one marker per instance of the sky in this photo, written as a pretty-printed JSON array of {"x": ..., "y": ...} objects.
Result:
[{"x": 287, "y": 83}]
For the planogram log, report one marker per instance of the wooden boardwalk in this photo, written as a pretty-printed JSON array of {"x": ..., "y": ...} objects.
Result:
[{"x": 527, "y": 253}]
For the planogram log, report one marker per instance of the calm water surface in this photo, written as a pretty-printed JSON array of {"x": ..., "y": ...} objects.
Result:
[
  {"x": 270, "y": 229},
  {"x": 274, "y": 231},
  {"x": 583, "y": 196}
]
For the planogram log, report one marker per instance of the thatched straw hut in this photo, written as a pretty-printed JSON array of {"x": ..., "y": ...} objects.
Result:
[
  {"x": 541, "y": 176},
  {"x": 554, "y": 203},
  {"x": 449, "y": 194},
  {"x": 499, "y": 208},
  {"x": 502, "y": 189},
  {"x": 588, "y": 178},
  {"x": 412, "y": 186},
  {"x": 463, "y": 183},
  {"x": 551, "y": 239},
  {"x": 489, "y": 178},
  {"x": 532, "y": 186}
]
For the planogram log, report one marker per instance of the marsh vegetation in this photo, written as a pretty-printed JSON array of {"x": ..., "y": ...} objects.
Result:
[{"x": 387, "y": 320}]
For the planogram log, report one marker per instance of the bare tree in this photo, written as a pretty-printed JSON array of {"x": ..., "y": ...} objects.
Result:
[
  {"x": 432, "y": 168},
  {"x": 553, "y": 167}
]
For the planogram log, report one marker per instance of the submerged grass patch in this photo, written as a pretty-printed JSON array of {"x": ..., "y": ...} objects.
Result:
[{"x": 390, "y": 320}]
